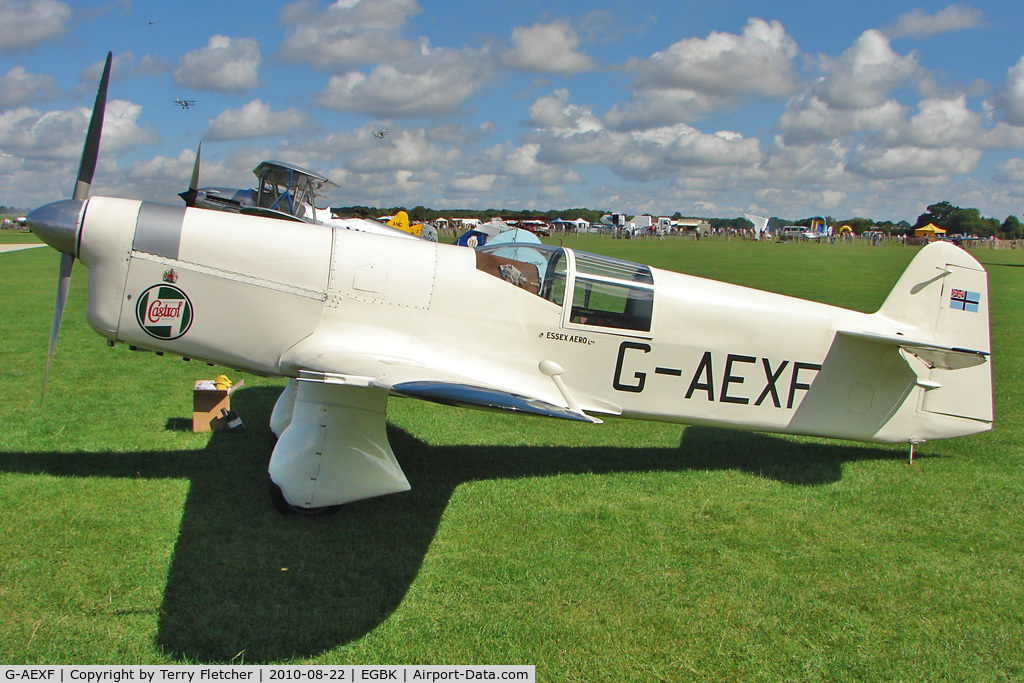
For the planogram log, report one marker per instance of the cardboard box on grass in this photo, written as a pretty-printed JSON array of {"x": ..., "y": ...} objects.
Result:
[{"x": 207, "y": 402}]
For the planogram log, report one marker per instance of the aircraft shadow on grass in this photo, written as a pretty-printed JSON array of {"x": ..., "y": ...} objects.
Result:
[{"x": 247, "y": 583}]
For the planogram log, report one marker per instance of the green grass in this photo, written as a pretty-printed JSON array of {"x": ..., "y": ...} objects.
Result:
[
  {"x": 627, "y": 551},
  {"x": 18, "y": 237}
]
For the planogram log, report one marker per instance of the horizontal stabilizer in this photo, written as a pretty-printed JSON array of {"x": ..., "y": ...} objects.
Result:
[
  {"x": 934, "y": 355},
  {"x": 470, "y": 396}
]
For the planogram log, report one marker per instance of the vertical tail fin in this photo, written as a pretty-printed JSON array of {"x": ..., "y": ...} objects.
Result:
[
  {"x": 943, "y": 296},
  {"x": 401, "y": 221}
]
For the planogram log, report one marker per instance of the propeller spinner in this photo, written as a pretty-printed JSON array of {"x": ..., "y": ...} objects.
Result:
[{"x": 58, "y": 224}]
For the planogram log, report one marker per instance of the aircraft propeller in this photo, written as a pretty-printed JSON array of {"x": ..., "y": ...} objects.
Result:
[
  {"x": 57, "y": 223},
  {"x": 193, "y": 187}
]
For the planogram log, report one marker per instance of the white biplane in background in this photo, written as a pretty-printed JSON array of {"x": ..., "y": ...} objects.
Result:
[
  {"x": 286, "y": 192},
  {"x": 351, "y": 318}
]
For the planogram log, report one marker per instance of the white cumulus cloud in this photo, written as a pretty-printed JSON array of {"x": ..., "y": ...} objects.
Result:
[
  {"x": 573, "y": 137},
  {"x": 908, "y": 161},
  {"x": 1011, "y": 171},
  {"x": 224, "y": 65},
  {"x": 59, "y": 134},
  {"x": 919, "y": 24},
  {"x": 18, "y": 87},
  {"x": 809, "y": 119},
  {"x": 1009, "y": 99},
  {"x": 429, "y": 85},
  {"x": 24, "y": 25},
  {"x": 348, "y": 33},
  {"x": 853, "y": 93},
  {"x": 940, "y": 122},
  {"x": 254, "y": 120},
  {"x": 555, "y": 112},
  {"x": 546, "y": 48},
  {"x": 697, "y": 75},
  {"x": 758, "y": 61},
  {"x": 865, "y": 72}
]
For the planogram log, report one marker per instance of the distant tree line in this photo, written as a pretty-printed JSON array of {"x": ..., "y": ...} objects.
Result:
[
  {"x": 953, "y": 219},
  {"x": 957, "y": 221},
  {"x": 421, "y": 214}
]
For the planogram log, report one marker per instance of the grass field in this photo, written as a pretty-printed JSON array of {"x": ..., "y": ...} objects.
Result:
[{"x": 627, "y": 551}]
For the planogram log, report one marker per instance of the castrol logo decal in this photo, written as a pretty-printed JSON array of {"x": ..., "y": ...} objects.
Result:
[{"x": 164, "y": 312}]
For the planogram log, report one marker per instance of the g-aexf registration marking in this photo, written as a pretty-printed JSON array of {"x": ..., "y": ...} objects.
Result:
[{"x": 702, "y": 380}]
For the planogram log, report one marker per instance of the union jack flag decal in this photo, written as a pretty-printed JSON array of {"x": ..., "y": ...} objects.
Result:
[{"x": 962, "y": 300}]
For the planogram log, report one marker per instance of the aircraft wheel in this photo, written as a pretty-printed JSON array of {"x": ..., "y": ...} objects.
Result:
[{"x": 285, "y": 508}]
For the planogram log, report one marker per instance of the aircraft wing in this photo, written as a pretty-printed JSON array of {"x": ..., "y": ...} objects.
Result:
[
  {"x": 487, "y": 398},
  {"x": 454, "y": 391},
  {"x": 269, "y": 213},
  {"x": 934, "y": 355}
]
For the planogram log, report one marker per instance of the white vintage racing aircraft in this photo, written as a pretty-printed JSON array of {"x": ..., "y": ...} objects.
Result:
[{"x": 352, "y": 318}]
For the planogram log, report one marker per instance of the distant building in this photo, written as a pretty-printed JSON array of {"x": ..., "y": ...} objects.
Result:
[
  {"x": 642, "y": 222},
  {"x": 466, "y": 223}
]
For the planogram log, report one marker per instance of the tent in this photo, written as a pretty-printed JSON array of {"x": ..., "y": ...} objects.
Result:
[{"x": 930, "y": 230}]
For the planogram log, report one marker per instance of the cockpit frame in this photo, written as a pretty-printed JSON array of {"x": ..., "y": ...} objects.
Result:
[{"x": 595, "y": 292}]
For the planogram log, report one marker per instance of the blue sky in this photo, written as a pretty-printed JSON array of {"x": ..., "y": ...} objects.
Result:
[{"x": 872, "y": 109}]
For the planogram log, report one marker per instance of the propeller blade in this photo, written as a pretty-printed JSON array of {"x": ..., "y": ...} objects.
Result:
[
  {"x": 190, "y": 195},
  {"x": 91, "y": 150},
  {"x": 86, "y": 169},
  {"x": 67, "y": 262}
]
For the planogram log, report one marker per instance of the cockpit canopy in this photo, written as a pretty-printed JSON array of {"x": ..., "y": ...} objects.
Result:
[{"x": 593, "y": 290}]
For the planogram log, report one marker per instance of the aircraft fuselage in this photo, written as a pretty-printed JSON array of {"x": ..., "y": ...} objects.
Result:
[{"x": 276, "y": 299}]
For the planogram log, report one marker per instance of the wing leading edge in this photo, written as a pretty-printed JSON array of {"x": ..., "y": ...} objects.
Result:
[
  {"x": 471, "y": 396},
  {"x": 453, "y": 390}
]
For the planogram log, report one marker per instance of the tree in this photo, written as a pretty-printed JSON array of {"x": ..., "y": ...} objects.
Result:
[
  {"x": 969, "y": 222},
  {"x": 1011, "y": 229},
  {"x": 938, "y": 214}
]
